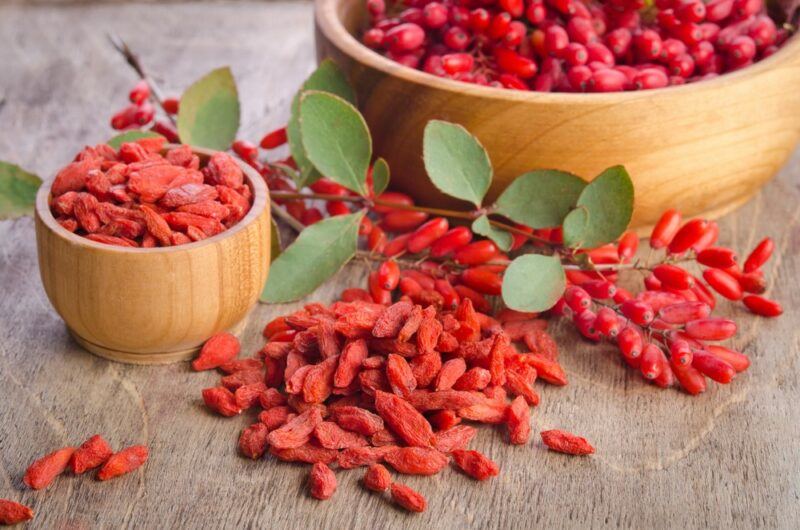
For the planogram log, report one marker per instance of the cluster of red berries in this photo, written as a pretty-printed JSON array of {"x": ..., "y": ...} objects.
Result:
[
  {"x": 664, "y": 330},
  {"x": 141, "y": 112},
  {"x": 573, "y": 45}
]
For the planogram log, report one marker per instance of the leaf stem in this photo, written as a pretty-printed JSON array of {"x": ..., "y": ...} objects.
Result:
[{"x": 133, "y": 61}]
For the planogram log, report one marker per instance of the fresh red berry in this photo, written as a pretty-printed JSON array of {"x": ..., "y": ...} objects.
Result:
[
  {"x": 139, "y": 93},
  {"x": 762, "y": 306},
  {"x": 723, "y": 283},
  {"x": 759, "y": 256}
]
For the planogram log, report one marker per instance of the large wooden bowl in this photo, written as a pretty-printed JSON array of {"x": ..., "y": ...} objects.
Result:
[
  {"x": 155, "y": 305},
  {"x": 704, "y": 147}
]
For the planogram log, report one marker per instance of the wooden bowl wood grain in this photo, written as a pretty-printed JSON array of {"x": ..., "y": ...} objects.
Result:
[
  {"x": 155, "y": 305},
  {"x": 704, "y": 147}
]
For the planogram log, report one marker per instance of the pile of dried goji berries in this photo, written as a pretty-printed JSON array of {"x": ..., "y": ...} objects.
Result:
[
  {"x": 93, "y": 453},
  {"x": 360, "y": 383},
  {"x": 135, "y": 197},
  {"x": 574, "y": 45}
]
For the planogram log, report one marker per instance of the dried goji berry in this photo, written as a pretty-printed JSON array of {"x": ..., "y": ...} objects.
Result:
[
  {"x": 310, "y": 454},
  {"x": 377, "y": 478},
  {"x": 475, "y": 464},
  {"x": 357, "y": 419},
  {"x": 449, "y": 374},
  {"x": 400, "y": 376},
  {"x": 404, "y": 419},
  {"x": 456, "y": 437},
  {"x": 91, "y": 454},
  {"x": 297, "y": 431},
  {"x": 221, "y": 400},
  {"x": 565, "y": 442},
  {"x": 363, "y": 456},
  {"x": 331, "y": 436},
  {"x": 42, "y": 472},
  {"x": 274, "y": 417},
  {"x": 253, "y": 441},
  {"x": 321, "y": 481},
  {"x": 12, "y": 512},
  {"x": 416, "y": 460},
  {"x": 408, "y": 498},
  {"x": 125, "y": 461},
  {"x": 518, "y": 421}
]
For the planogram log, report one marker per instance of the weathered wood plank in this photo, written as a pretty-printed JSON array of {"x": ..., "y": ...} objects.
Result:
[{"x": 728, "y": 458}]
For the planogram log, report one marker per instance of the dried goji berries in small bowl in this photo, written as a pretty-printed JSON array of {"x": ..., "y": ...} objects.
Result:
[
  {"x": 159, "y": 304},
  {"x": 706, "y": 146}
]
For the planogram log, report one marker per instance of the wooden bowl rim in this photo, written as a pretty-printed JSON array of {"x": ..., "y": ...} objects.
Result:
[
  {"x": 325, "y": 14},
  {"x": 260, "y": 202}
]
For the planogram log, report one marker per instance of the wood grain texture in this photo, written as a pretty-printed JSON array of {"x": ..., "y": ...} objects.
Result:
[
  {"x": 155, "y": 305},
  {"x": 726, "y": 459},
  {"x": 708, "y": 145}
]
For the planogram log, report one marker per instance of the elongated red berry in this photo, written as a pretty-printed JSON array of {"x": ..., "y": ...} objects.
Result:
[
  {"x": 687, "y": 236},
  {"x": 629, "y": 342},
  {"x": 651, "y": 365},
  {"x": 712, "y": 328},
  {"x": 426, "y": 234},
  {"x": 451, "y": 241},
  {"x": 712, "y": 366},
  {"x": 483, "y": 279},
  {"x": 738, "y": 360},
  {"x": 599, "y": 289},
  {"x": 759, "y": 255},
  {"x": 607, "y": 322},
  {"x": 723, "y": 283},
  {"x": 403, "y": 220},
  {"x": 665, "y": 229},
  {"x": 577, "y": 298},
  {"x": 627, "y": 246},
  {"x": 717, "y": 257},
  {"x": 639, "y": 312},
  {"x": 680, "y": 354},
  {"x": 673, "y": 276},
  {"x": 691, "y": 380},
  {"x": 476, "y": 253},
  {"x": 389, "y": 275},
  {"x": 762, "y": 306},
  {"x": 683, "y": 312}
]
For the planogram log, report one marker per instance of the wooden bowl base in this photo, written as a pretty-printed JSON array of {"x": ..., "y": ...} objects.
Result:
[{"x": 147, "y": 358}]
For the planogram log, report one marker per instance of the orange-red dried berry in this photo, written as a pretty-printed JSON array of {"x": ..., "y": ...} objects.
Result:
[
  {"x": 404, "y": 419},
  {"x": 331, "y": 436},
  {"x": 416, "y": 460},
  {"x": 253, "y": 441},
  {"x": 321, "y": 481},
  {"x": 565, "y": 442},
  {"x": 42, "y": 472},
  {"x": 400, "y": 376},
  {"x": 310, "y": 454},
  {"x": 377, "y": 478},
  {"x": 475, "y": 464},
  {"x": 451, "y": 371},
  {"x": 363, "y": 456},
  {"x": 518, "y": 420},
  {"x": 296, "y": 432},
  {"x": 218, "y": 350},
  {"x": 548, "y": 370},
  {"x": 125, "y": 461},
  {"x": 91, "y": 454},
  {"x": 456, "y": 437},
  {"x": 357, "y": 420},
  {"x": 392, "y": 319},
  {"x": 221, "y": 400},
  {"x": 408, "y": 498},
  {"x": 12, "y": 512}
]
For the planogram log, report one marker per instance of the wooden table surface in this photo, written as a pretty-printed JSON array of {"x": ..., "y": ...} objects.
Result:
[{"x": 729, "y": 458}]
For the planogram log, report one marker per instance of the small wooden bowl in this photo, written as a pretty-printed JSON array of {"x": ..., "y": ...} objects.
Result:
[
  {"x": 704, "y": 147},
  {"x": 155, "y": 305}
]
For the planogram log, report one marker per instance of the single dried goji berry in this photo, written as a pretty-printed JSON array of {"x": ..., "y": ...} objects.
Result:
[
  {"x": 518, "y": 421},
  {"x": 91, "y": 454},
  {"x": 248, "y": 396},
  {"x": 363, "y": 456},
  {"x": 547, "y": 369},
  {"x": 456, "y": 437},
  {"x": 310, "y": 454},
  {"x": 377, "y": 478},
  {"x": 392, "y": 319},
  {"x": 12, "y": 512},
  {"x": 296, "y": 432},
  {"x": 221, "y": 400},
  {"x": 274, "y": 417},
  {"x": 425, "y": 367},
  {"x": 475, "y": 464},
  {"x": 404, "y": 419},
  {"x": 321, "y": 481},
  {"x": 253, "y": 441},
  {"x": 408, "y": 498},
  {"x": 42, "y": 472},
  {"x": 565, "y": 442},
  {"x": 400, "y": 376},
  {"x": 444, "y": 419},
  {"x": 125, "y": 461},
  {"x": 331, "y": 436},
  {"x": 416, "y": 460},
  {"x": 476, "y": 378},
  {"x": 449, "y": 374},
  {"x": 357, "y": 419}
]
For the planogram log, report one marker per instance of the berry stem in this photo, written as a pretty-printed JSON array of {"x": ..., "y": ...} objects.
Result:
[{"x": 133, "y": 61}]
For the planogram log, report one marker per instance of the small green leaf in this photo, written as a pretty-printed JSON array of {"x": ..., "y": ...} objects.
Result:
[
  {"x": 17, "y": 191},
  {"x": 380, "y": 176},
  {"x": 533, "y": 282},
  {"x": 131, "y": 136},
  {"x": 540, "y": 199},
  {"x": 608, "y": 201},
  {"x": 208, "y": 115},
  {"x": 456, "y": 162},
  {"x": 574, "y": 226},
  {"x": 328, "y": 77},
  {"x": 318, "y": 253},
  {"x": 501, "y": 238},
  {"x": 336, "y": 139},
  {"x": 274, "y": 240}
]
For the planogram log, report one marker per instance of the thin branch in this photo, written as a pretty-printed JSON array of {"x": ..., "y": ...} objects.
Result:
[
  {"x": 283, "y": 215},
  {"x": 133, "y": 60}
]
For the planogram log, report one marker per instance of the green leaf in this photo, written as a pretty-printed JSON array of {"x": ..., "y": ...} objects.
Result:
[
  {"x": 318, "y": 253},
  {"x": 456, "y": 162},
  {"x": 274, "y": 240},
  {"x": 17, "y": 191},
  {"x": 574, "y": 226},
  {"x": 208, "y": 115},
  {"x": 540, "y": 199},
  {"x": 501, "y": 238},
  {"x": 608, "y": 201},
  {"x": 533, "y": 282},
  {"x": 336, "y": 139},
  {"x": 328, "y": 77},
  {"x": 380, "y": 176},
  {"x": 131, "y": 136}
]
